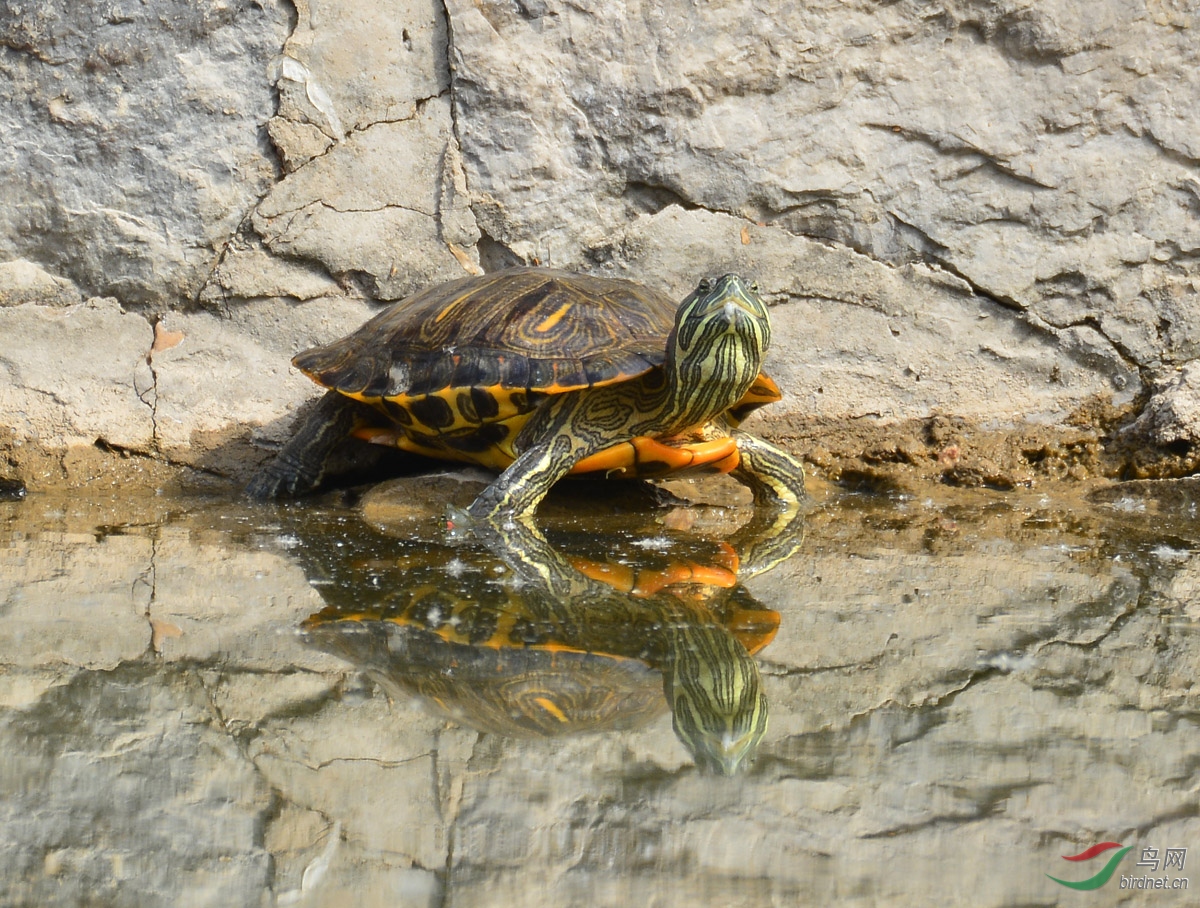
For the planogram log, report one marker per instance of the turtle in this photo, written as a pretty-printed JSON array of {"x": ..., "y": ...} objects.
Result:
[
  {"x": 539, "y": 372},
  {"x": 561, "y": 652}
]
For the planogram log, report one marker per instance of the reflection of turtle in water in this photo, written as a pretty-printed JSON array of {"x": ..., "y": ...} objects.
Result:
[
  {"x": 518, "y": 665},
  {"x": 551, "y": 650},
  {"x": 540, "y": 373}
]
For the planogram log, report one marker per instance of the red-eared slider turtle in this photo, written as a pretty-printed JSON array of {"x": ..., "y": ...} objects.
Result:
[{"x": 539, "y": 372}]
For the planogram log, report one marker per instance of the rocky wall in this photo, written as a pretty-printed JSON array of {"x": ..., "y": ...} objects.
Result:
[{"x": 981, "y": 209}]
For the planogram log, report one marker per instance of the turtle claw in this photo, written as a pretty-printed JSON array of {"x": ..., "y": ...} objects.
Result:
[
  {"x": 457, "y": 524},
  {"x": 273, "y": 483},
  {"x": 493, "y": 530}
]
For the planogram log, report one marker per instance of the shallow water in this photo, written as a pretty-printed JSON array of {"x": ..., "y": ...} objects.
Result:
[{"x": 204, "y": 702}]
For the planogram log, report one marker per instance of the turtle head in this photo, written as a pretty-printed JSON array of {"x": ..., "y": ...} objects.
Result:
[
  {"x": 716, "y": 348},
  {"x": 717, "y": 703}
]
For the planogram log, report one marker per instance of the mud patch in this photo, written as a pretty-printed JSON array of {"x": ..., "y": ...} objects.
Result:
[{"x": 1093, "y": 445}]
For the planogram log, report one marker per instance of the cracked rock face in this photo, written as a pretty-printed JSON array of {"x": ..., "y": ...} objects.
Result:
[
  {"x": 141, "y": 144},
  {"x": 1046, "y": 164},
  {"x": 976, "y": 208}
]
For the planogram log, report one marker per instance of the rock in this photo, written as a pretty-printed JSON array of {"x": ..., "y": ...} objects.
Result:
[
  {"x": 365, "y": 209},
  {"x": 1065, "y": 191},
  {"x": 375, "y": 187},
  {"x": 24, "y": 282},
  {"x": 364, "y": 63},
  {"x": 140, "y": 151},
  {"x": 214, "y": 385},
  {"x": 70, "y": 375},
  {"x": 247, "y": 271},
  {"x": 1173, "y": 414}
]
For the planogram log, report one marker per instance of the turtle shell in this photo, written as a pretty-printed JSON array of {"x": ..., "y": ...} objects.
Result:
[{"x": 534, "y": 329}]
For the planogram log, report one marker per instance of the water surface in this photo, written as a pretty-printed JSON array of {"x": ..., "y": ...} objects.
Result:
[{"x": 963, "y": 687}]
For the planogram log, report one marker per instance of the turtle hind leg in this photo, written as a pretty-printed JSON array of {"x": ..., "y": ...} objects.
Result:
[{"x": 299, "y": 465}]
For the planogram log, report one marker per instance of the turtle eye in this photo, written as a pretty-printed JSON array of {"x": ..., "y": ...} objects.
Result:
[
  {"x": 705, "y": 285},
  {"x": 754, "y": 287}
]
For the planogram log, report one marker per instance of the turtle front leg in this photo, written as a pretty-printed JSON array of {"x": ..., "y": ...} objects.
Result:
[
  {"x": 776, "y": 531},
  {"x": 299, "y": 465},
  {"x": 775, "y": 477},
  {"x": 518, "y": 491},
  {"x": 551, "y": 443}
]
